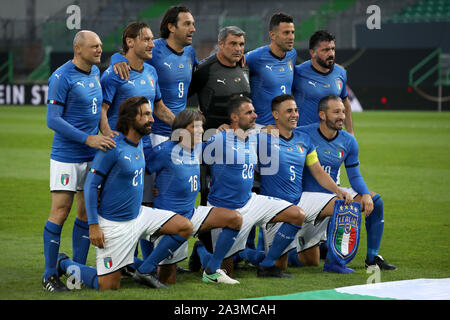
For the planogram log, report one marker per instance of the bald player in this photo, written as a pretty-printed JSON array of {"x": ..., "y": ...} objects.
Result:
[{"x": 73, "y": 113}]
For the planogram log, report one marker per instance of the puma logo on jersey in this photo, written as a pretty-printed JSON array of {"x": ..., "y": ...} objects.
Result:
[
  {"x": 269, "y": 67},
  {"x": 168, "y": 65},
  {"x": 57, "y": 75},
  {"x": 131, "y": 82},
  {"x": 221, "y": 81},
  {"x": 80, "y": 83},
  {"x": 312, "y": 83},
  {"x": 126, "y": 157}
]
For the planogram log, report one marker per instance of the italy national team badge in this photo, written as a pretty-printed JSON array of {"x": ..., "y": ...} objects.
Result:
[
  {"x": 344, "y": 231},
  {"x": 150, "y": 80},
  {"x": 340, "y": 154},
  {"x": 339, "y": 84},
  {"x": 65, "y": 179},
  {"x": 300, "y": 148},
  {"x": 291, "y": 68},
  {"x": 108, "y": 262}
]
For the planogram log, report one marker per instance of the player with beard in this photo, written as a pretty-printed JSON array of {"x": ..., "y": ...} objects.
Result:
[
  {"x": 336, "y": 147},
  {"x": 116, "y": 218},
  {"x": 320, "y": 77}
]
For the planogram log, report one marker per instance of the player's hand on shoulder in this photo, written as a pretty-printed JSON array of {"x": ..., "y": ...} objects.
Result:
[
  {"x": 96, "y": 236},
  {"x": 366, "y": 204},
  {"x": 271, "y": 129},
  {"x": 100, "y": 142},
  {"x": 223, "y": 127},
  {"x": 122, "y": 69}
]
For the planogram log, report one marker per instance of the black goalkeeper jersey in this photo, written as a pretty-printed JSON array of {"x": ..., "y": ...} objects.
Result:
[{"x": 214, "y": 84}]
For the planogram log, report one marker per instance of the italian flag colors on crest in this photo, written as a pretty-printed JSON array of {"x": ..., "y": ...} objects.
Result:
[{"x": 345, "y": 239}]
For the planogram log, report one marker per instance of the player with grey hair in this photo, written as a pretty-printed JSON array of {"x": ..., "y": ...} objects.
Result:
[{"x": 216, "y": 79}]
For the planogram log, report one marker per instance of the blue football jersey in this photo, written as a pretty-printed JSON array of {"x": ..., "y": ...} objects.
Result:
[
  {"x": 174, "y": 77},
  {"x": 270, "y": 77},
  {"x": 115, "y": 90},
  {"x": 311, "y": 85},
  {"x": 290, "y": 157},
  {"x": 123, "y": 169},
  {"x": 80, "y": 94},
  {"x": 232, "y": 162},
  {"x": 331, "y": 153},
  {"x": 177, "y": 176}
]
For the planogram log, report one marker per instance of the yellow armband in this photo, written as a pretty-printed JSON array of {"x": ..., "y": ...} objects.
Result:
[{"x": 311, "y": 158}]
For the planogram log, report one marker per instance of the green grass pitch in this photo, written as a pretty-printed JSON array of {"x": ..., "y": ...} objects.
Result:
[{"x": 405, "y": 156}]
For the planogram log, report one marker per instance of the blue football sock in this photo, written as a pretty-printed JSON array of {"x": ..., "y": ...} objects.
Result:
[
  {"x": 137, "y": 263},
  {"x": 293, "y": 259},
  {"x": 87, "y": 274},
  {"x": 204, "y": 255},
  {"x": 52, "y": 237},
  {"x": 167, "y": 245},
  {"x": 80, "y": 241},
  {"x": 374, "y": 227},
  {"x": 251, "y": 238},
  {"x": 284, "y": 236},
  {"x": 146, "y": 248},
  {"x": 253, "y": 256},
  {"x": 224, "y": 243},
  {"x": 260, "y": 245}
]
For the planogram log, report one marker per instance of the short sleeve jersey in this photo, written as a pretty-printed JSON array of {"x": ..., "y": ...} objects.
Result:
[
  {"x": 177, "y": 176},
  {"x": 270, "y": 76},
  {"x": 174, "y": 77},
  {"x": 232, "y": 162},
  {"x": 311, "y": 85},
  {"x": 289, "y": 157}
]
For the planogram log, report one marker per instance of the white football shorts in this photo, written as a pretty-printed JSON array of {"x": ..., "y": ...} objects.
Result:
[
  {"x": 313, "y": 230},
  {"x": 68, "y": 177},
  {"x": 258, "y": 211},
  {"x": 201, "y": 213},
  {"x": 121, "y": 237}
]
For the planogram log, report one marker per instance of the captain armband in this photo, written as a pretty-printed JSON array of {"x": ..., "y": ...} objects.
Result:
[{"x": 311, "y": 158}]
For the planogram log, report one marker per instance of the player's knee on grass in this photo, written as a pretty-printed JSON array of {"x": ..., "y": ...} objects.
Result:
[
  {"x": 310, "y": 257},
  {"x": 167, "y": 273}
]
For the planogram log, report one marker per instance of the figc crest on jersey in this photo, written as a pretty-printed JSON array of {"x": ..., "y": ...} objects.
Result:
[
  {"x": 344, "y": 231},
  {"x": 339, "y": 84}
]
